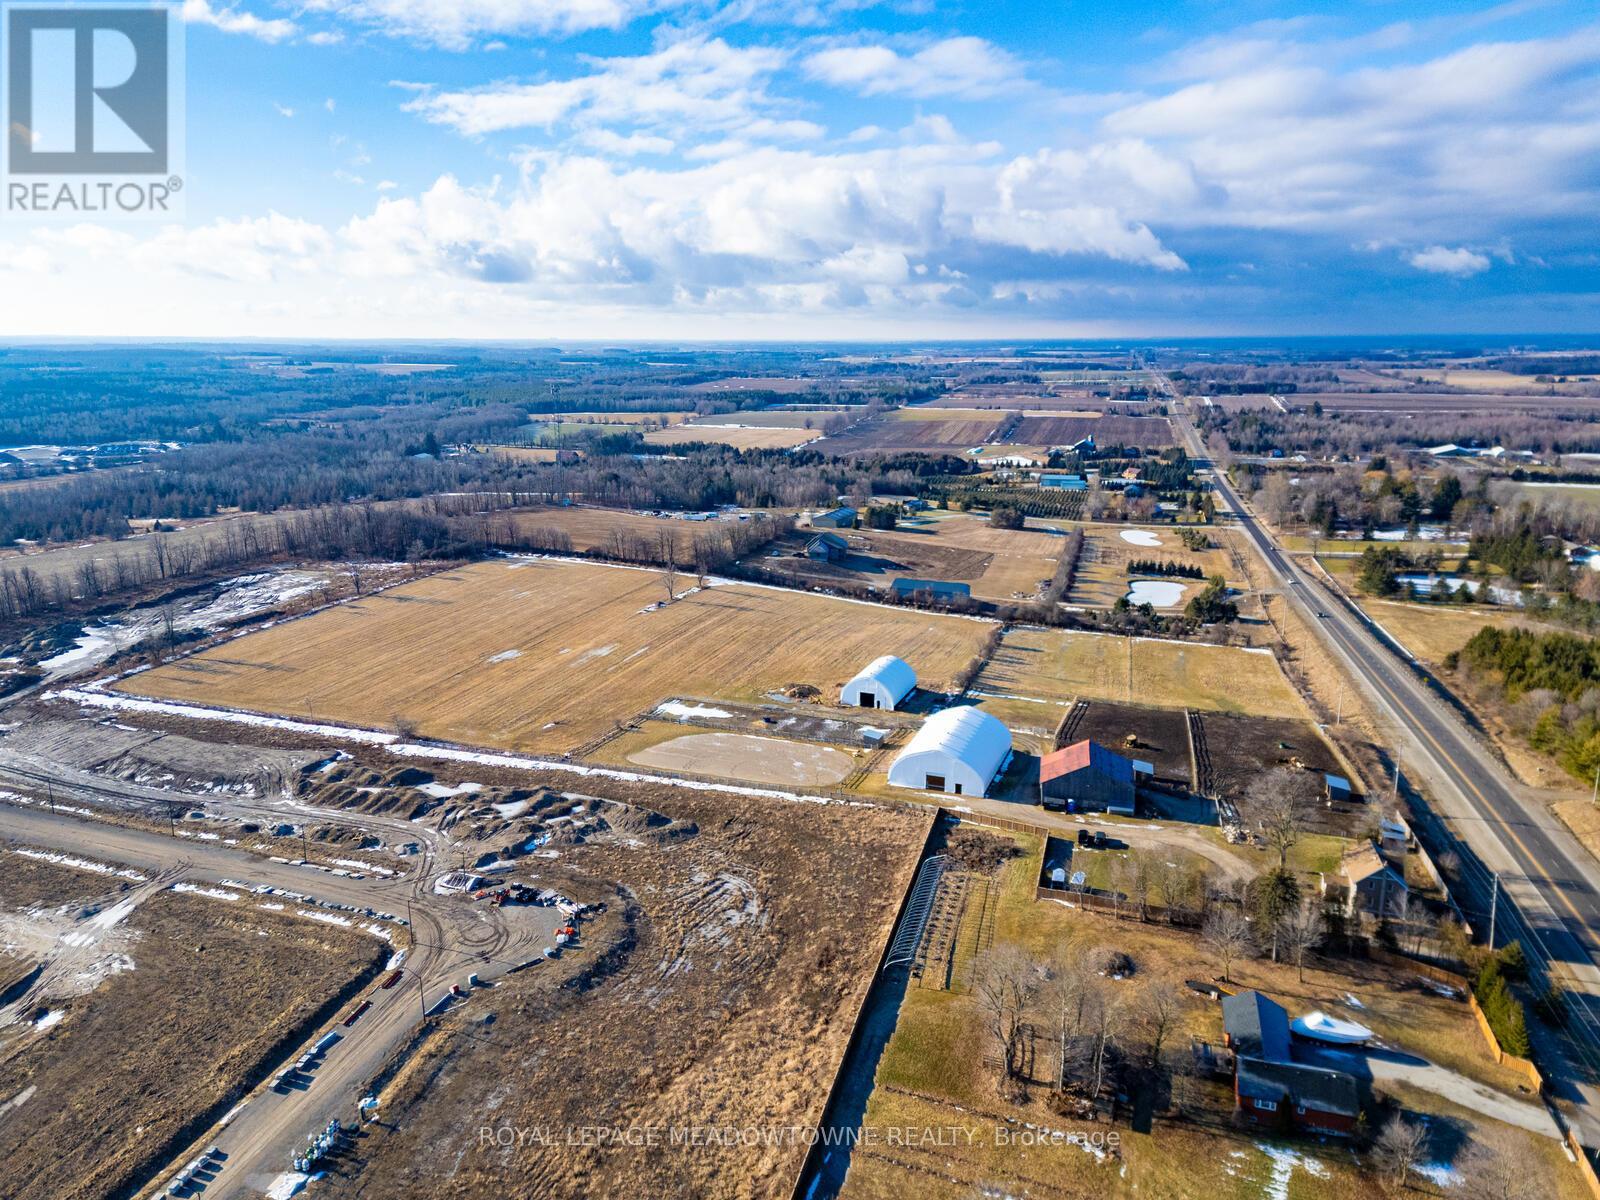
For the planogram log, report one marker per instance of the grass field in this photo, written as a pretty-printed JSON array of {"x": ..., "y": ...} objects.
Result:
[
  {"x": 1480, "y": 380},
  {"x": 539, "y": 655},
  {"x": 1062, "y": 665},
  {"x": 1431, "y": 631},
  {"x": 594, "y": 528},
  {"x": 1102, "y": 575},
  {"x": 1576, "y": 495},
  {"x": 740, "y": 438},
  {"x": 938, "y": 1072}
]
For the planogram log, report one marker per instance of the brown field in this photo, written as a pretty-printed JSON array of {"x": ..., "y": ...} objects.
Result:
[
  {"x": 740, "y": 438},
  {"x": 716, "y": 992},
  {"x": 536, "y": 454},
  {"x": 1062, "y": 665},
  {"x": 1432, "y": 631},
  {"x": 1102, "y": 575},
  {"x": 147, "y": 1051},
  {"x": 939, "y": 1073},
  {"x": 920, "y": 432},
  {"x": 1477, "y": 379},
  {"x": 1150, "y": 433},
  {"x": 544, "y": 656},
  {"x": 594, "y": 528},
  {"x": 999, "y": 564}
]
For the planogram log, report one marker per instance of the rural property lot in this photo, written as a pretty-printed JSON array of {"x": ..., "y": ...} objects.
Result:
[
  {"x": 915, "y": 431},
  {"x": 1103, "y": 564},
  {"x": 999, "y": 564},
  {"x": 543, "y": 655},
  {"x": 740, "y": 438},
  {"x": 1063, "y": 665},
  {"x": 149, "y": 1049},
  {"x": 1150, "y": 433}
]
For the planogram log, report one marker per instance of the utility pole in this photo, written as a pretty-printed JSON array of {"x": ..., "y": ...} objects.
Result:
[
  {"x": 1494, "y": 905},
  {"x": 1595, "y": 799},
  {"x": 50, "y": 791}
]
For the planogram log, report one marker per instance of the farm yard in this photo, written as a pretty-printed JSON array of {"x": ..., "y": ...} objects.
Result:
[
  {"x": 1059, "y": 666},
  {"x": 544, "y": 656},
  {"x": 136, "y": 1041},
  {"x": 1158, "y": 736},
  {"x": 1104, "y": 566},
  {"x": 999, "y": 564},
  {"x": 930, "y": 1077}
]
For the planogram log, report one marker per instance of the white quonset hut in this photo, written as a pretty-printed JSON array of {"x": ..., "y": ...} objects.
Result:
[
  {"x": 884, "y": 684},
  {"x": 959, "y": 751}
]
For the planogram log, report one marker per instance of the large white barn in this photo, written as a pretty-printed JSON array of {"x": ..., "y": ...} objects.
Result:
[
  {"x": 959, "y": 751},
  {"x": 884, "y": 683}
]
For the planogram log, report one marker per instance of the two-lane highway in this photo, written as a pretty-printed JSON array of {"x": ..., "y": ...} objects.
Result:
[{"x": 1545, "y": 875}]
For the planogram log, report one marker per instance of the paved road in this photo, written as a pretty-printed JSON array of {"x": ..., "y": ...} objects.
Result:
[
  {"x": 452, "y": 938},
  {"x": 1548, "y": 896}
]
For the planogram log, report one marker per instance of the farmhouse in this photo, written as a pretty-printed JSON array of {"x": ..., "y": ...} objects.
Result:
[
  {"x": 1088, "y": 776},
  {"x": 827, "y": 547},
  {"x": 884, "y": 683},
  {"x": 934, "y": 589},
  {"x": 839, "y": 518},
  {"x": 959, "y": 751},
  {"x": 1368, "y": 883},
  {"x": 1269, "y": 1087}
]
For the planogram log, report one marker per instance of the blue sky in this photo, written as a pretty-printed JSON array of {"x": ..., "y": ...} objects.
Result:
[{"x": 844, "y": 168}]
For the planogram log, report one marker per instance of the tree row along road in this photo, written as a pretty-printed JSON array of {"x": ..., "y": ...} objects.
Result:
[
  {"x": 450, "y": 939},
  {"x": 1548, "y": 898}
]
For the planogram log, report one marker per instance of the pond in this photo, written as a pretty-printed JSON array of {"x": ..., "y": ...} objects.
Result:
[
  {"x": 1159, "y": 593},
  {"x": 1140, "y": 537}
]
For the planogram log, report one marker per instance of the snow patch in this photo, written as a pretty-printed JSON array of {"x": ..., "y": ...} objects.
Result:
[{"x": 674, "y": 708}]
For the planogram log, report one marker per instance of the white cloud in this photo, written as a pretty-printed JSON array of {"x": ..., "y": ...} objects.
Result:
[
  {"x": 283, "y": 110},
  {"x": 1459, "y": 263},
  {"x": 457, "y": 24},
  {"x": 231, "y": 20},
  {"x": 694, "y": 83},
  {"x": 967, "y": 67}
]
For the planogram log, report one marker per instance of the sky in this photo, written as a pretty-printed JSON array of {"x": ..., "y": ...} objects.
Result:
[{"x": 844, "y": 169}]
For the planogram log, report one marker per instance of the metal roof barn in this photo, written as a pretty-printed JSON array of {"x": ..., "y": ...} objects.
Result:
[
  {"x": 959, "y": 751},
  {"x": 884, "y": 683}
]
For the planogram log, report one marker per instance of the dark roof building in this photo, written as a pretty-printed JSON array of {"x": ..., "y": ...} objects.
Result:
[
  {"x": 827, "y": 547},
  {"x": 840, "y": 518},
  {"x": 1256, "y": 1026},
  {"x": 1314, "y": 1099},
  {"x": 1089, "y": 776}
]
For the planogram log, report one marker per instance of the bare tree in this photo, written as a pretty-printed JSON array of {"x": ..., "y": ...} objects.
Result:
[
  {"x": 1157, "y": 1010},
  {"x": 1277, "y": 804},
  {"x": 1399, "y": 1150},
  {"x": 1007, "y": 980},
  {"x": 1300, "y": 933},
  {"x": 1227, "y": 932},
  {"x": 1488, "y": 1172},
  {"x": 1072, "y": 993}
]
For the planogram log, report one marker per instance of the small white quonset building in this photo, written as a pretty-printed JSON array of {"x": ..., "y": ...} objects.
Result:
[
  {"x": 959, "y": 751},
  {"x": 884, "y": 684}
]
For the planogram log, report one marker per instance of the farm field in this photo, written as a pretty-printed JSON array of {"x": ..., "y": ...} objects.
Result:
[
  {"x": 998, "y": 564},
  {"x": 1064, "y": 665},
  {"x": 544, "y": 656},
  {"x": 1432, "y": 631},
  {"x": 599, "y": 528},
  {"x": 1574, "y": 495},
  {"x": 739, "y": 437},
  {"x": 534, "y": 454},
  {"x": 1149, "y": 433},
  {"x": 930, "y": 1077},
  {"x": 1447, "y": 402},
  {"x": 1103, "y": 565},
  {"x": 751, "y": 933},
  {"x": 125, "y": 1046},
  {"x": 898, "y": 431},
  {"x": 1477, "y": 379}
]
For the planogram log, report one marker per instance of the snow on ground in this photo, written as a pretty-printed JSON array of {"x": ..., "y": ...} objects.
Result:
[
  {"x": 103, "y": 921},
  {"x": 358, "y": 865},
  {"x": 82, "y": 864},
  {"x": 504, "y": 656},
  {"x": 1352, "y": 1001},
  {"x": 1139, "y": 537},
  {"x": 675, "y": 708},
  {"x": 444, "y": 791},
  {"x": 287, "y": 1185},
  {"x": 1284, "y": 1161},
  {"x": 195, "y": 889},
  {"x": 50, "y": 1019},
  {"x": 196, "y": 712},
  {"x": 1441, "y": 1175},
  {"x": 326, "y": 918}
]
